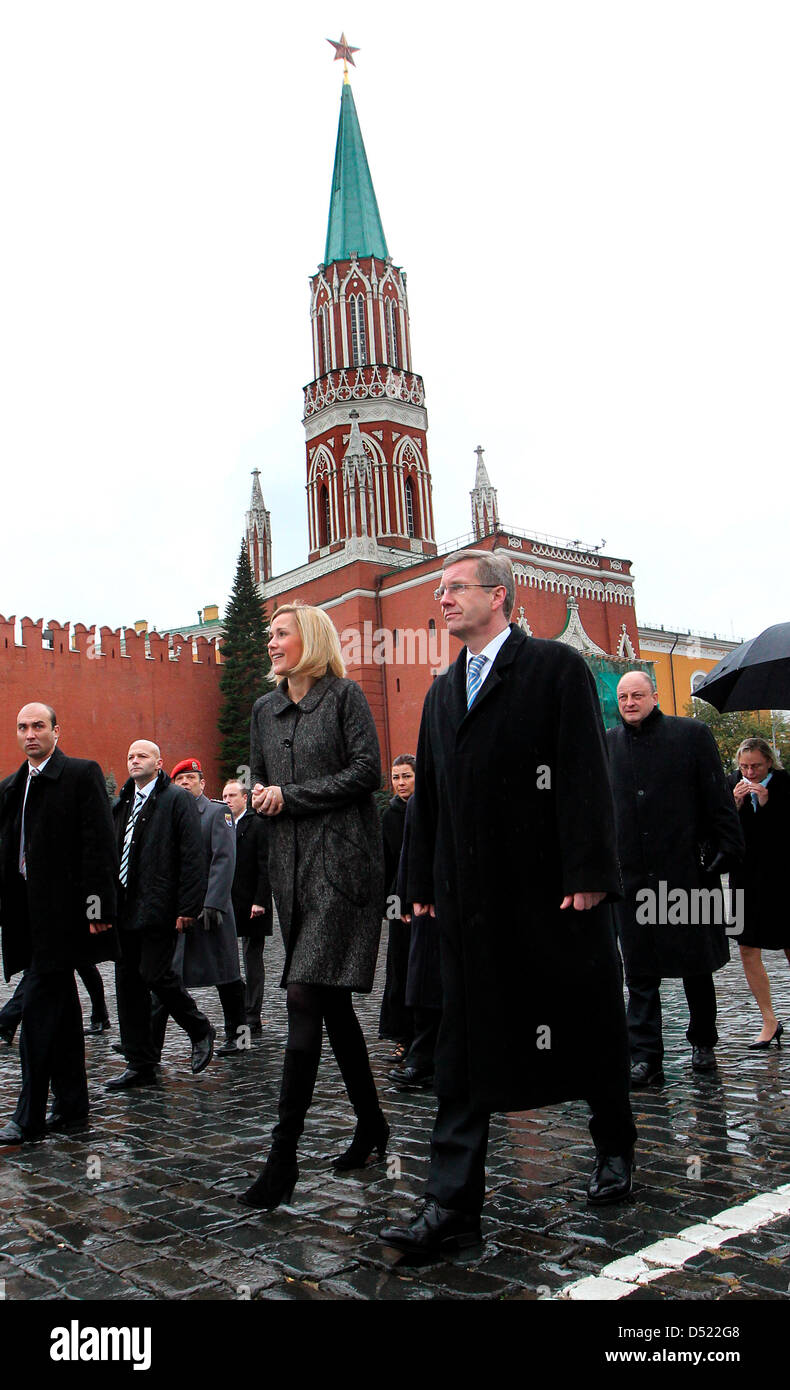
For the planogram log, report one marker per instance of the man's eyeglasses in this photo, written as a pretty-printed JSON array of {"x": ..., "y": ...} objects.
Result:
[{"x": 461, "y": 589}]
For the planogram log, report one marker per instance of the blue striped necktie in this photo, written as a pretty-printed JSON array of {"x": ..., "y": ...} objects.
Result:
[
  {"x": 127, "y": 839},
  {"x": 474, "y": 678}
]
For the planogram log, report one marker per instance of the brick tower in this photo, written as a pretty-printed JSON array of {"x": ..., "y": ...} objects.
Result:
[{"x": 368, "y": 480}]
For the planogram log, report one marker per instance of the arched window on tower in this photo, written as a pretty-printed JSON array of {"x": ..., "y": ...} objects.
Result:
[
  {"x": 325, "y": 363},
  {"x": 391, "y": 320},
  {"x": 410, "y": 531},
  {"x": 359, "y": 343},
  {"x": 324, "y": 518}
]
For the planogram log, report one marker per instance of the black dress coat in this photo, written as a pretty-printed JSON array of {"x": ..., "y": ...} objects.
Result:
[
  {"x": 325, "y": 854},
  {"x": 166, "y": 876},
  {"x": 395, "y": 1020},
  {"x": 251, "y": 880},
  {"x": 674, "y": 814},
  {"x": 513, "y": 811},
  {"x": 423, "y": 970},
  {"x": 72, "y": 867},
  {"x": 763, "y": 873}
]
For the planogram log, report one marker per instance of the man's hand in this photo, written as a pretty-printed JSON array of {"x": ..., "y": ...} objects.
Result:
[
  {"x": 741, "y": 790},
  {"x": 424, "y": 909},
  {"x": 257, "y": 911},
  {"x": 182, "y": 923},
  {"x": 759, "y": 790},
  {"x": 582, "y": 901},
  {"x": 96, "y": 927},
  {"x": 257, "y": 796}
]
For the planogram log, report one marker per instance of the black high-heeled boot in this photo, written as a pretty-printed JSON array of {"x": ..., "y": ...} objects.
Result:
[
  {"x": 370, "y": 1136},
  {"x": 278, "y": 1179},
  {"x": 275, "y": 1184}
]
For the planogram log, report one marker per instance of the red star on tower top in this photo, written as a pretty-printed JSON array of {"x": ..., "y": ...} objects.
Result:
[{"x": 343, "y": 50}]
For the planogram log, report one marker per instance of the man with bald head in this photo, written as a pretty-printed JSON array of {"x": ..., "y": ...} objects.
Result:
[
  {"x": 58, "y": 870},
  {"x": 677, "y": 832},
  {"x": 161, "y": 890}
]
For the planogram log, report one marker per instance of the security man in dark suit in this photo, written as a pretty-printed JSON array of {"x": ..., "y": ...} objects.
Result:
[
  {"x": 58, "y": 867},
  {"x": 162, "y": 883},
  {"x": 209, "y": 953},
  {"x": 252, "y": 895}
]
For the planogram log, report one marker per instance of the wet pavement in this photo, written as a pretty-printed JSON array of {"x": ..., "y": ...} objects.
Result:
[{"x": 142, "y": 1205}]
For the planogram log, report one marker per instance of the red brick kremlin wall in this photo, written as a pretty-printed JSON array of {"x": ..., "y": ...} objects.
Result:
[{"x": 105, "y": 700}]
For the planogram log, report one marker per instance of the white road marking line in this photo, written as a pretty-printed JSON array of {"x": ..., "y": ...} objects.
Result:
[{"x": 623, "y": 1276}]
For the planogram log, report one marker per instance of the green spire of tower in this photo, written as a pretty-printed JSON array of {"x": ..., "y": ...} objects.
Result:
[{"x": 354, "y": 221}]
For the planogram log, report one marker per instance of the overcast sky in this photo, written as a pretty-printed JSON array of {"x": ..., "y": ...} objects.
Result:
[{"x": 590, "y": 199}]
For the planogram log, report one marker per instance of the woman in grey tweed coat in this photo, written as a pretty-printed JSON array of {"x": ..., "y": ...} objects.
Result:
[{"x": 315, "y": 761}]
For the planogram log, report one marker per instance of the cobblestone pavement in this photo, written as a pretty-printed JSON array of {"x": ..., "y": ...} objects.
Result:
[{"x": 142, "y": 1206}]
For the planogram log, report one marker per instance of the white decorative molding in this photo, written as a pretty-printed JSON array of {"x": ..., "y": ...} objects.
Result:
[
  {"x": 379, "y": 434},
  {"x": 576, "y": 557},
  {"x": 514, "y": 543},
  {"x": 292, "y": 579},
  {"x": 557, "y": 581},
  {"x": 616, "y": 564},
  {"x": 371, "y": 412},
  {"x": 575, "y": 635},
  {"x": 521, "y": 622},
  {"x": 625, "y": 647}
]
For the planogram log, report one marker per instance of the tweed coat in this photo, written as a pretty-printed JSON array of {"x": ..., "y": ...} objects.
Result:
[
  {"x": 674, "y": 814},
  {"x": 325, "y": 847},
  {"x": 212, "y": 957},
  {"x": 71, "y": 862},
  {"x": 513, "y": 811}
]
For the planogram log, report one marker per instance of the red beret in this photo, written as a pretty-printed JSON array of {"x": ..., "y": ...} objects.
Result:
[{"x": 186, "y": 765}]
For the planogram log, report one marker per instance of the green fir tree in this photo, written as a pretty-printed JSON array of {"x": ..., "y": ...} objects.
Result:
[{"x": 245, "y": 663}]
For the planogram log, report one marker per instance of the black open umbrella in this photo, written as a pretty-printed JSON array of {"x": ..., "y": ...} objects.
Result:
[{"x": 755, "y": 676}]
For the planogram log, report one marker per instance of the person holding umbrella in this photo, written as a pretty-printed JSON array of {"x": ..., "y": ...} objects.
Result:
[{"x": 762, "y": 799}]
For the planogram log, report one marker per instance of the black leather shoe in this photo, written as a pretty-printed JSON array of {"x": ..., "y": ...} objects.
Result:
[
  {"x": 410, "y": 1077},
  {"x": 119, "y": 1047},
  {"x": 62, "y": 1124},
  {"x": 101, "y": 1025},
  {"x": 231, "y": 1049},
  {"x": 703, "y": 1059},
  {"x": 435, "y": 1232},
  {"x": 646, "y": 1074},
  {"x": 7, "y": 1034},
  {"x": 611, "y": 1179},
  {"x": 255, "y": 1029},
  {"x": 203, "y": 1051},
  {"x": 133, "y": 1076},
  {"x": 11, "y": 1133}
]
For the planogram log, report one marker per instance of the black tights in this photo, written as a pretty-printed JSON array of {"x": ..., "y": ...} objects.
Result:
[{"x": 310, "y": 1007}]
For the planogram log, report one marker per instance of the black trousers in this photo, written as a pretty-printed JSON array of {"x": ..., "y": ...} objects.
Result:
[
  {"x": 11, "y": 1013},
  {"x": 232, "y": 999},
  {"x": 644, "y": 1015},
  {"x": 456, "y": 1178},
  {"x": 426, "y": 1032},
  {"x": 146, "y": 966},
  {"x": 51, "y": 1049}
]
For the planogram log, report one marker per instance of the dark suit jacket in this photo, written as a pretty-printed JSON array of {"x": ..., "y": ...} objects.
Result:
[
  {"x": 72, "y": 867},
  {"x": 251, "y": 880},
  {"x": 166, "y": 877}
]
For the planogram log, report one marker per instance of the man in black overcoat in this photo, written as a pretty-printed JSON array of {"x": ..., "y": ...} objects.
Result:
[
  {"x": 58, "y": 866},
  {"x": 677, "y": 832},
  {"x": 252, "y": 896},
  {"x": 514, "y": 852},
  {"x": 162, "y": 887}
]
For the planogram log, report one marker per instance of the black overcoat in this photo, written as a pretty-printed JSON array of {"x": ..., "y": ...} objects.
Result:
[
  {"x": 72, "y": 867},
  {"x": 166, "y": 877},
  {"x": 513, "y": 811},
  {"x": 325, "y": 853},
  {"x": 763, "y": 874},
  {"x": 395, "y": 1020},
  {"x": 251, "y": 884},
  {"x": 674, "y": 811}
]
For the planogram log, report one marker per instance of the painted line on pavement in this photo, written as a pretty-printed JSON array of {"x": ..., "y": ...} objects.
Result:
[{"x": 622, "y": 1277}]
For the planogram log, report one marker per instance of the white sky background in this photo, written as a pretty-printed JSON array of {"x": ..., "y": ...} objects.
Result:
[{"x": 590, "y": 199}]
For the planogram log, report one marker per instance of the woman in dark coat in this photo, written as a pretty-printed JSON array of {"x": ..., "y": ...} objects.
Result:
[
  {"x": 395, "y": 1020},
  {"x": 762, "y": 798},
  {"x": 315, "y": 760}
]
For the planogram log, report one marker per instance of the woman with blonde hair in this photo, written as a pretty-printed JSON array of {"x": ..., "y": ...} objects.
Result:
[{"x": 315, "y": 762}]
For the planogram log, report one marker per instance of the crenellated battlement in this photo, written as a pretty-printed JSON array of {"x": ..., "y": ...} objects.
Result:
[
  {"x": 104, "y": 643},
  {"x": 110, "y": 686}
]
